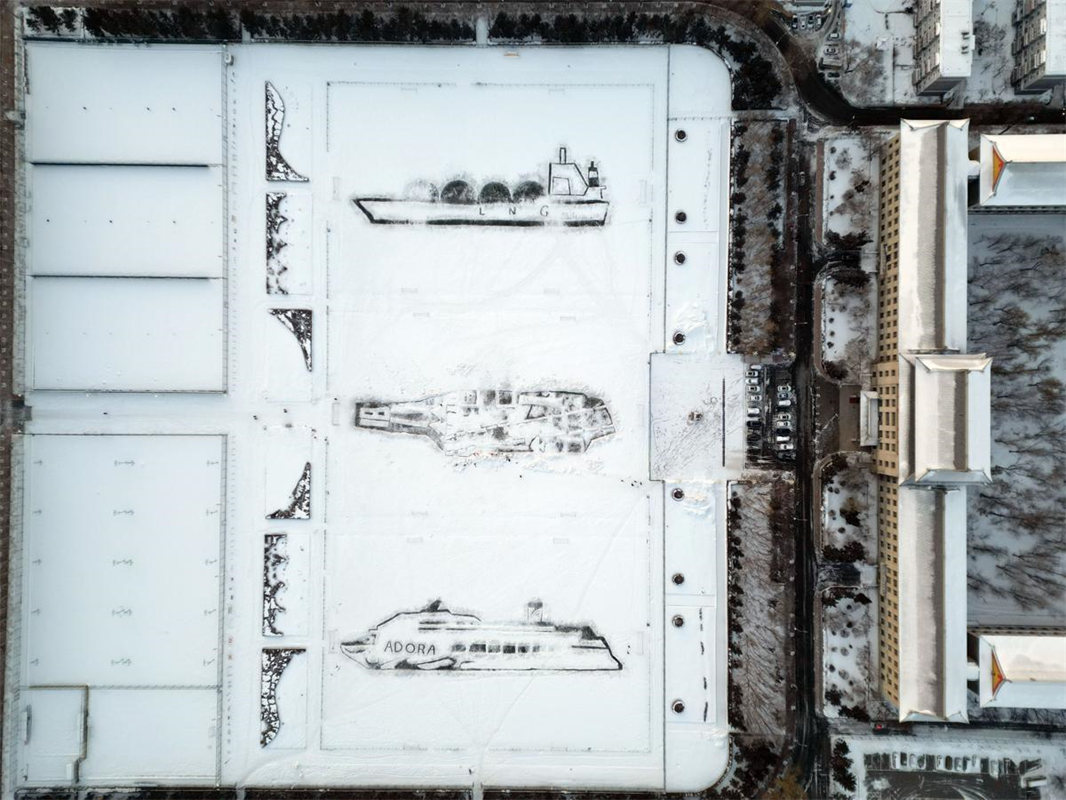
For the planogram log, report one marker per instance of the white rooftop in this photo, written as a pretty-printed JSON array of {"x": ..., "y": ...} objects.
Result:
[
  {"x": 951, "y": 435},
  {"x": 956, "y": 38},
  {"x": 1023, "y": 170},
  {"x": 932, "y": 604},
  {"x": 934, "y": 166},
  {"x": 205, "y": 534}
]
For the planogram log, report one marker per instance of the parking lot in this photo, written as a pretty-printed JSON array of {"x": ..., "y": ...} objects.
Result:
[{"x": 771, "y": 415}]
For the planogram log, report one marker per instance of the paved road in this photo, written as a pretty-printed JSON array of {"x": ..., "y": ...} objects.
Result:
[
  {"x": 826, "y": 101},
  {"x": 805, "y": 746}
]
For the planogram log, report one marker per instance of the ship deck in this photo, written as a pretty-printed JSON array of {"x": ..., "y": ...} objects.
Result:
[{"x": 186, "y": 436}]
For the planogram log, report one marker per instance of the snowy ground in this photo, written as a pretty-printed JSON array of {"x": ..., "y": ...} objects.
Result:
[
  {"x": 1016, "y": 526},
  {"x": 323, "y": 531},
  {"x": 848, "y": 339},
  {"x": 849, "y": 513},
  {"x": 849, "y": 187},
  {"x": 849, "y": 667},
  {"x": 960, "y": 762}
]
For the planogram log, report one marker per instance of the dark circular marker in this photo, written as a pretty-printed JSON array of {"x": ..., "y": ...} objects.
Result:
[
  {"x": 679, "y": 338},
  {"x": 679, "y": 257},
  {"x": 680, "y": 134},
  {"x": 678, "y": 620},
  {"x": 678, "y": 494},
  {"x": 678, "y": 579},
  {"x": 681, "y": 216},
  {"x": 677, "y": 706}
]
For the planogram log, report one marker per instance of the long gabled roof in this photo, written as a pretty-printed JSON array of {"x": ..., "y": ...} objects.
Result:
[
  {"x": 932, "y": 604},
  {"x": 934, "y": 168}
]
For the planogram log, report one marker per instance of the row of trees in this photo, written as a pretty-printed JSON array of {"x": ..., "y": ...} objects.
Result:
[
  {"x": 761, "y": 280},
  {"x": 756, "y": 83},
  {"x": 1017, "y": 537},
  {"x": 759, "y": 551}
]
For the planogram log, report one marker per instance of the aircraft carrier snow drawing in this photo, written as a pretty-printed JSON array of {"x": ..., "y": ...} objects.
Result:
[
  {"x": 572, "y": 198},
  {"x": 436, "y": 638},
  {"x": 495, "y": 421}
]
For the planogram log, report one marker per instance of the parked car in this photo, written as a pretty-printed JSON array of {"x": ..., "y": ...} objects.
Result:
[
  {"x": 783, "y": 418},
  {"x": 754, "y": 397},
  {"x": 779, "y": 439},
  {"x": 754, "y": 411},
  {"x": 786, "y": 432},
  {"x": 784, "y": 402},
  {"x": 785, "y": 447},
  {"x": 754, "y": 423},
  {"x": 784, "y": 388},
  {"x": 753, "y": 381}
]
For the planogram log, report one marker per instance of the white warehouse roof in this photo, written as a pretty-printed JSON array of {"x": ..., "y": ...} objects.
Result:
[
  {"x": 1023, "y": 671},
  {"x": 1023, "y": 170}
]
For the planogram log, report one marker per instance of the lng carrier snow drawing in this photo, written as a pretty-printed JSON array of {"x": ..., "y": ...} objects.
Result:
[
  {"x": 435, "y": 638},
  {"x": 572, "y": 198},
  {"x": 495, "y": 421}
]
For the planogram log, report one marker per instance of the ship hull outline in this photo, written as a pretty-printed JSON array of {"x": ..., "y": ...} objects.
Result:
[
  {"x": 438, "y": 640},
  {"x": 389, "y": 211}
]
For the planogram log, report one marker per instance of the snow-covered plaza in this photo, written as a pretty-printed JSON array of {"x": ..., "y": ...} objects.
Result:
[{"x": 382, "y": 417}]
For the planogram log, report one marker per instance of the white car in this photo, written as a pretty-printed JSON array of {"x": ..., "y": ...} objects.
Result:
[
  {"x": 783, "y": 447},
  {"x": 753, "y": 381},
  {"x": 781, "y": 439},
  {"x": 783, "y": 417},
  {"x": 754, "y": 411},
  {"x": 784, "y": 402}
]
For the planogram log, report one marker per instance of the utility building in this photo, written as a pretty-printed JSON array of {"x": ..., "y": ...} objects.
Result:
[{"x": 1022, "y": 173}]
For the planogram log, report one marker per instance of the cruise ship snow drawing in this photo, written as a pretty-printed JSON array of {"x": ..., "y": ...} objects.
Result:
[
  {"x": 495, "y": 421},
  {"x": 572, "y": 198},
  {"x": 436, "y": 638}
]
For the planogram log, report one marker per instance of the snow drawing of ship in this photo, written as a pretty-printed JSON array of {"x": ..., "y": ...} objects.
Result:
[
  {"x": 572, "y": 198},
  {"x": 435, "y": 638},
  {"x": 495, "y": 421}
]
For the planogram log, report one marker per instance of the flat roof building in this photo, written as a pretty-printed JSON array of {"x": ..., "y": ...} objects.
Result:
[
  {"x": 1039, "y": 45},
  {"x": 943, "y": 45}
]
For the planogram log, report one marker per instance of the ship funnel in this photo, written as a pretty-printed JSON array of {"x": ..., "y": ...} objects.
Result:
[
  {"x": 534, "y": 611},
  {"x": 562, "y": 155}
]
